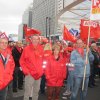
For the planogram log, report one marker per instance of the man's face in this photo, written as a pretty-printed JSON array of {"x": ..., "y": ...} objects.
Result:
[
  {"x": 94, "y": 47},
  {"x": 80, "y": 43},
  {"x": 35, "y": 39},
  {"x": 3, "y": 44}
]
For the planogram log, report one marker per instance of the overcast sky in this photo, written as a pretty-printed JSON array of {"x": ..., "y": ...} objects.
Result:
[{"x": 11, "y": 12}]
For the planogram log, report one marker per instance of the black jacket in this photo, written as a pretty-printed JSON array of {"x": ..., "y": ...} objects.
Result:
[{"x": 16, "y": 55}]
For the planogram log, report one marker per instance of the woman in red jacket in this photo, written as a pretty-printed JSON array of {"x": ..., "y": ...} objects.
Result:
[
  {"x": 6, "y": 66},
  {"x": 55, "y": 72}
]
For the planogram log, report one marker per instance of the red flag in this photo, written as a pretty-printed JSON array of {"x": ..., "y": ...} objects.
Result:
[
  {"x": 68, "y": 36},
  {"x": 94, "y": 29},
  {"x": 98, "y": 31},
  {"x": 30, "y": 31}
]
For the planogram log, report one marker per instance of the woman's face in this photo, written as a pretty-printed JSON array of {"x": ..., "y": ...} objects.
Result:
[{"x": 56, "y": 51}]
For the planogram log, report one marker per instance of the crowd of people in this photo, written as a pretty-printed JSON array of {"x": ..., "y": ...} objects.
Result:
[{"x": 42, "y": 67}]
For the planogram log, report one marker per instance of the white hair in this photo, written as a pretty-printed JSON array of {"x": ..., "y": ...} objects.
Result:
[{"x": 93, "y": 44}]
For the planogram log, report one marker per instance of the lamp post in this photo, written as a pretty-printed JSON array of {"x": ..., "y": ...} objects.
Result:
[
  {"x": 46, "y": 26},
  {"x": 49, "y": 29},
  {"x": 63, "y": 4}
]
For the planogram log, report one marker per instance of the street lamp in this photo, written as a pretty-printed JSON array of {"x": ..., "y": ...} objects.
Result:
[
  {"x": 63, "y": 4},
  {"x": 48, "y": 27}
]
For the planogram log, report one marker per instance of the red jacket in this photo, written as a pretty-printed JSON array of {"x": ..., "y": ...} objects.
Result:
[
  {"x": 55, "y": 71},
  {"x": 6, "y": 72},
  {"x": 31, "y": 61}
]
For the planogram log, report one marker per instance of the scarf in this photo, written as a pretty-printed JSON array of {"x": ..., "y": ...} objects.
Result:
[{"x": 81, "y": 51}]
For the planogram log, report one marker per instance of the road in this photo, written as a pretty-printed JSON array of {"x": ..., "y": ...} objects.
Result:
[{"x": 93, "y": 94}]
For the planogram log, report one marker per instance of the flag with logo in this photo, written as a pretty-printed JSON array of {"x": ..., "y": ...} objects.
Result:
[
  {"x": 74, "y": 32},
  {"x": 94, "y": 29},
  {"x": 95, "y": 10}
]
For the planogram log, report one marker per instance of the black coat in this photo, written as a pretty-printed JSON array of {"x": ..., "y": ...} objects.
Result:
[
  {"x": 16, "y": 55},
  {"x": 96, "y": 57}
]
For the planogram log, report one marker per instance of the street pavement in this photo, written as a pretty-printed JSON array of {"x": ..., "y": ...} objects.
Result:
[{"x": 93, "y": 94}]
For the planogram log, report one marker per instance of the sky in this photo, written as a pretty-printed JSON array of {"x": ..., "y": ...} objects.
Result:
[{"x": 11, "y": 12}]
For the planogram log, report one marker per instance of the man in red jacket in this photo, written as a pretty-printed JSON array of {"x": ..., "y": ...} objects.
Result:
[
  {"x": 31, "y": 63},
  {"x": 6, "y": 66}
]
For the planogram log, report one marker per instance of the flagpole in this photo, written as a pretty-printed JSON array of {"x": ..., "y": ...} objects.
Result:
[
  {"x": 87, "y": 50},
  {"x": 93, "y": 13},
  {"x": 86, "y": 59}
]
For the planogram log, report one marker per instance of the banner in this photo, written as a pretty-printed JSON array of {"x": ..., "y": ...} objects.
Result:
[
  {"x": 95, "y": 10},
  {"x": 94, "y": 29}
]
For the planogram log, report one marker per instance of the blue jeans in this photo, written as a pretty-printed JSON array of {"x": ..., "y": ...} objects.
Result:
[
  {"x": 70, "y": 81},
  {"x": 78, "y": 85}
]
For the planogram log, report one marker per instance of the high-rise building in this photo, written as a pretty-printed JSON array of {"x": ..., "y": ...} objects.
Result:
[
  {"x": 26, "y": 20},
  {"x": 27, "y": 16},
  {"x": 45, "y": 15},
  {"x": 44, "y": 12},
  {"x": 20, "y": 32}
]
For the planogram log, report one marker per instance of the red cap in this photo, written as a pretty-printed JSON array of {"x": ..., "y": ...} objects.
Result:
[
  {"x": 69, "y": 49},
  {"x": 44, "y": 39},
  {"x": 3, "y": 36}
]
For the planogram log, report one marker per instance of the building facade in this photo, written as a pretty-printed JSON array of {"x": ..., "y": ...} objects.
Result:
[
  {"x": 20, "y": 32},
  {"x": 44, "y": 15},
  {"x": 26, "y": 20},
  {"x": 27, "y": 16}
]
